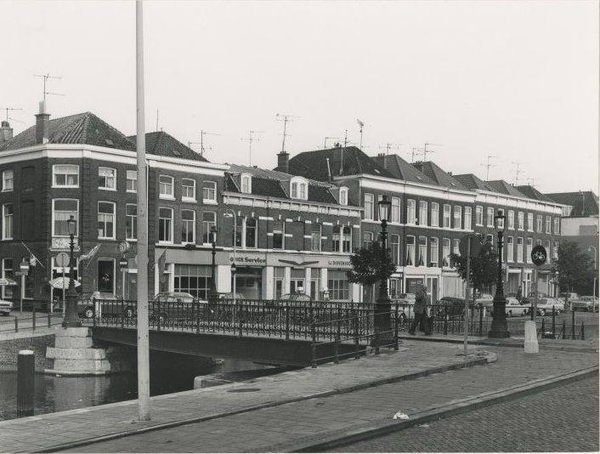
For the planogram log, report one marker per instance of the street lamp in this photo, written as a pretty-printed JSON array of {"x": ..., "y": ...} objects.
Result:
[
  {"x": 71, "y": 317},
  {"x": 383, "y": 307},
  {"x": 213, "y": 240},
  {"x": 499, "y": 326},
  {"x": 595, "y": 273}
]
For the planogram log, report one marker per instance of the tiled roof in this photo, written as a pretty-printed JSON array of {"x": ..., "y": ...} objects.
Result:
[
  {"x": 584, "y": 203},
  {"x": 533, "y": 193},
  {"x": 163, "y": 144},
  {"x": 343, "y": 161},
  {"x": 472, "y": 182},
  {"x": 503, "y": 187},
  {"x": 401, "y": 169},
  {"x": 83, "y": 128},
  {"x": 440, "y": 177}
]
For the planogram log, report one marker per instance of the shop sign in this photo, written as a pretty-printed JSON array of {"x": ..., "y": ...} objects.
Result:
[
  {"x": 249, "y": 259},
  {"x": 339, "y": 263}
]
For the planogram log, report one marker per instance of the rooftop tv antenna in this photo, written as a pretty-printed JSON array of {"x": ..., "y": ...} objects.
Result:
[
  {"x": 46, "y": 77},
  {"x": 202, "y": 147},
  {"x": 328, "y": 138},
  {"x": 361, "y": 126},
  {"x": 414, "y": 152},
  {"x": 285, "y": 119},
  {"x": 531, "y": 182},
  {"x": 488, "y": 165},
  {"x": 10, "y": 109},
  {"x": 390, "y": 146},
  {"x": 425, "y": 150},
  {"x": 518, "y": 171},
  {"x": 251, "y": 138},
  {"x": 192, "y": 143}
]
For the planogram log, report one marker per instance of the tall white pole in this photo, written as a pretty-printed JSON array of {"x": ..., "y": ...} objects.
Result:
[{"x": 143, "y": 351}]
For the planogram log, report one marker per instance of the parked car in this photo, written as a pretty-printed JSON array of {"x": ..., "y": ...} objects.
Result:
[
  {"x": 514, "y": 308},
  {"x": 296, "y": 296},
  {"x": 103, "y": 304},
  {"x": 175, "y": 305},
  {"x": 585, "y": 303},
  {"x": 450, "y": 306},
  {"x": 406, "y": 298},
  {"x": 545, "y": 306},
  {"x": 5, "y": 307}
]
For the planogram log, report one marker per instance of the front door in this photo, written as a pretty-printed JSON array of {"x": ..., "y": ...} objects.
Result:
[{"x": 106, "y": 276}]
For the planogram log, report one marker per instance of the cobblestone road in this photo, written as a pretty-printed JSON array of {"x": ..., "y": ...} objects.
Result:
[{"x": 558, "y": 419}]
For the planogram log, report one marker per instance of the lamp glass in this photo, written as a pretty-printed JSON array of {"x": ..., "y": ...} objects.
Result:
[
  {"x": 499, "y": 221},
  {"x": 384, "y": 208},
  {"x": 233, "y": 267},
  {"x": 71, "y": 225}
]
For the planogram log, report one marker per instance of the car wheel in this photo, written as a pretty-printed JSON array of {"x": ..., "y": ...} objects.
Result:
[
  {"x": 88, "y": 312},
  {"x": 128, "y": 312}
]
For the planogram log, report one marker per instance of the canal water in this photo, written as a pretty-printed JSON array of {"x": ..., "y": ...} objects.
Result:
[{"x": 60, "y": 393}]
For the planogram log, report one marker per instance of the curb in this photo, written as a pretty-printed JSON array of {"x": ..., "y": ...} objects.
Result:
[
  {"x": 358, "y": 433},
  {"x": 411, "y": 376}
]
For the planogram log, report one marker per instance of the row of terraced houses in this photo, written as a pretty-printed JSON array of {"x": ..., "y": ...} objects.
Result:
[{"x": 287, "y": 230}]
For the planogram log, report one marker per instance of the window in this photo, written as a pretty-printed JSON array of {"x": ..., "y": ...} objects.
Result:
[
  {"x": 165, "y": 225},
  {"x": 7, "y": 273},
  {"x": 529, "y": 248},
  {"x": 410, "y": 250},
  {"x": 278, "y": 235},
  {"x": 433, "y": 251},
  {"x": 548, "y": 224},
  {"x": 7, "y": 221},
  {"x": 62, "y": 210},
  {"x": 246, "y": 184},
  {"x": 395, "y": 246},
  {"x": 188, "y": 226},
  {"x": 131, "y": 183},
  {"x": 337, "y": 284},
  {"x": 192, "y": 279},
  {"x": 511, "y": 219},
  {"x": 298, "y": 188},
  {"x": 478, "y": 215},
  {"x": 422, "y": 260},
  {"x": 530, "y": 222},
  {"x": 519, "y": 249},
  {"x": 555, "y": 251},
  {"x": 538, "y": 242},
  {"x": 395, "y": 215},
  {"x": 107, "y": 178},
  {"x": 251, "y": 232},
  {"x": 209, "y": 220},
  {"x": 447, "y": 216},
  {"x": 343, "y": 195},
  {"x": 423, "y": 213},
  {"x": 456, "y": 247},
  {"x": 315, "y": 238},
  {"x": 65, "y": 176},
  {"x": 468, "y": 218},
  {"x": 547, "y": 247},
  {"x": 510, "y": 249},
  {"x": 446, "y": 252},
  {"x": 165, "y": 187},
  {"x": 28, "y": 178},
  {"x": 188, "y": 189},
  {"x": 209, "y": 192},
  {"x": 435, "y": 214},
  {"x": 367, "y": 239},
  {"x": 457, "y": 217},
  {"x": 106, "y": 220},
  {"x": 7, "y": 180},
  {"x": 336, "y": 238},
  {"x": 490, "y": 216},
  {"x": 369, "y": 208},
  {"x": 131, "y": 222},
  {"x": 411, "y": 211},
  {"x": 347, "y": 239},
  {"x": 489, "y": 238},
  {"x": 521, "y": 220},
  {"x": 556, "y": 226}
]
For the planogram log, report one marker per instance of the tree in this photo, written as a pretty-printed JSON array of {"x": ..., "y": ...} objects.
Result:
[
  {"x": 573, "y": 267},
  {"x": 484, "y": 267},
  {"x": 370, "y": 265}
]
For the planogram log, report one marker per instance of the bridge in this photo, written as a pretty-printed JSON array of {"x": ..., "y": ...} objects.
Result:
[{"x": 291, "y": 333}]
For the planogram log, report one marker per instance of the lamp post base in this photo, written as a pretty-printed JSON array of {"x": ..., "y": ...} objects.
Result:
[
  {"x": 499, "y": 328},
  {"x": 71, "y": 319},
  {"x": 383, "y": 322}
]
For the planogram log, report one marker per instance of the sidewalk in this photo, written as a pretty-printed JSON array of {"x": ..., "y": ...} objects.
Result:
[{"x": 297, "y": 409}]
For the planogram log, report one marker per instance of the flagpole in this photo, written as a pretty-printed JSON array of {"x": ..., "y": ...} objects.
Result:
[{"x": 143, "y": 354}]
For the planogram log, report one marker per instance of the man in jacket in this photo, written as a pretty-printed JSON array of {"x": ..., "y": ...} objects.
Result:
[{"x": 422, "y": 303}]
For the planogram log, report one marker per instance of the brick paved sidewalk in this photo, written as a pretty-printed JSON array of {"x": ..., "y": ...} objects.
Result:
[{"x": 290, "y": 423}]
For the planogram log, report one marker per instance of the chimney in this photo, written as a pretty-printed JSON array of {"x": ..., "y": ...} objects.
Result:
[
  {"x": 418, "y": 165},
  {"x": 283, "y": 162},
  {"x": 41, "y": 124},
  {"x": 6, "y": 132}
]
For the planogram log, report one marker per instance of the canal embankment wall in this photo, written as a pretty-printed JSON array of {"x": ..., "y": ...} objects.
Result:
[{"x": 11, "y": 344}]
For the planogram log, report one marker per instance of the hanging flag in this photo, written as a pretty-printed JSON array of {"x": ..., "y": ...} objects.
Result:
[
  {"x": 33, "y": 260},
  {"x": 162, "y": 261},
  {"x": 91, "y": 253}
]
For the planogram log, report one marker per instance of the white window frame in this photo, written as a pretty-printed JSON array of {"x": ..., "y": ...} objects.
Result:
[
  {"x": 69, "y": 169},
  {"x": 206, "y": 224},
  {"x": 114, "y": 220},
  {"x": 510, "y": 249},
  {"x": 423, "y": 207},
  {"x": 5, "y": 179},
  {"x": 446, "y": 251},
  {"x": 435, "y": 214},
  {"x": 468, "y": 220},
  {"x": 163, "y": 187},
  {"x": 434, "y": 251},
  {"x": 369, "y": 206},
  {"x": 422, "y": 248},
  {"x": 511, "y": 220},
  {"x": 343, "y": 195},
  {"x": 411, "y": 211},
  {"x": 479, "y": 215},
  {"x": 557, "y": 226},
  {"x": 210, "y": 186},
  {"x": 530, "y": 222},
  {"x": 539, "y": 221},
  {"x": 490, "y": 216},
  {"x": 456, "y": 246},
  {"x": 107, "y": 178},
  {"x": 520, "y": 250},
  {"x": 298, "y": 188},
  {"x": 6, "y": 234},
  {"x": 186, "y": 198},
  {"x": 131, "y": 180},
  {"x": 185, "y": 222},
  {"x": 457, "y": 215},
  {"x": 133, "y": 223},
  {"x": 395, "y": 212},
  {"x": 75, "y": 215},
  {"x": 246, "y": 183},
  {"x": 447, "y": 217},
  {"x": 528, "y": 250},
  {"x": 169, "y": 239},
  {"x": 520, "y": 221},
  {"x": 549, "y": 224},
  {"x": 411, "y": 251}
]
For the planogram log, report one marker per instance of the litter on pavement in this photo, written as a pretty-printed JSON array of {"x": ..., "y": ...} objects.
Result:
[{"x": 401, "y": 415}]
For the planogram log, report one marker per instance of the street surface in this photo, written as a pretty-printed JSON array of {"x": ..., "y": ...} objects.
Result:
[{"x": 564, "y": 418}]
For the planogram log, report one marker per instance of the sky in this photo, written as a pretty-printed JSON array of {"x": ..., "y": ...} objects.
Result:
[{"x": 517, "y": 81}]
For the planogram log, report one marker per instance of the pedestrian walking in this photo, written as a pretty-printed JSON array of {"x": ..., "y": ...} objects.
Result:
[{"x": 422, "y": 307}]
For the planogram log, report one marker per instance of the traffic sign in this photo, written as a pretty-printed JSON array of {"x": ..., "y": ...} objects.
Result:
[
  {"x": 475, "y": 245},
  {"x": 538, "y": 255},
  {"x": 62, "y": 259},
  {"x": 123, "y": 263},
  {"x": 124, "y": 247},
  {"x": 24, "y": 268}
]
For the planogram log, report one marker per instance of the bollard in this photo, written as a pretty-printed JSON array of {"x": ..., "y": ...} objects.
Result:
[
  {"x": 543, "y": 329},
  {"x": 287, "y": 321},
  {"x": 313, "y": 346},
  {"x": 336, "y": 346},
  {"x": 49, "y": 319},
  {"x": 582, "y": 331},
  {"x": 396, "y": 348},
  {"x": 480, "y": 321},
  {"x": 573, "y": 325},
  {"x": 445, "y": 320},
  {"x": 25, "y": 383},
  {"x": 356, "y": 354},
  {"x": 16, "y": 325},
  {"x": 564, "y": 330},
  {"x": 33, "y": 318},
  {"x": 553, "y": 323}
]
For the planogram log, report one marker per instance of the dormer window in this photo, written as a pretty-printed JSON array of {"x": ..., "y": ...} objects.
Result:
[
  {"x": 246, "y": 184},
  {"x": 343, "y": 195},
  {"x": 299, "y": 189}
]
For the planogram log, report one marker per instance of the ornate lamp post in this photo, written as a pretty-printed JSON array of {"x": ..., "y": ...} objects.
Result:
[
  {"x": 383, "y": 307},
  {"x": 213, "y": 240},
  {"x": 499, "y": 326},
  {"x": 71, "y": 317}
]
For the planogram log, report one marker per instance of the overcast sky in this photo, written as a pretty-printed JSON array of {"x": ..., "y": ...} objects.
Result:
[{"x": 516, "y": 80}]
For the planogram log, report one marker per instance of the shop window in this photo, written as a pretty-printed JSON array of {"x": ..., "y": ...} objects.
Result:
[
  {"x": 338, "y": 286},
  {"x": 192, "y": 279}
]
